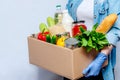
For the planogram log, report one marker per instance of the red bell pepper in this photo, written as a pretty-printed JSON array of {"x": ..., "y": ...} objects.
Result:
[{"x": 42, "y": 36}]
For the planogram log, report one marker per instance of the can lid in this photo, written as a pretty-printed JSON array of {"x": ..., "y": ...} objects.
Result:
[{"x": 71, "y": 41}]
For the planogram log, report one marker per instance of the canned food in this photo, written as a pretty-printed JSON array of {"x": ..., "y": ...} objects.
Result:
[
  {"x": 71, "y": 43},
  {"x": 65, "y": 34}
]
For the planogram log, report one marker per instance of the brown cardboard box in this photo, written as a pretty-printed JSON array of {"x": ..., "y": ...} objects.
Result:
[{"x": 62, "y": 61}]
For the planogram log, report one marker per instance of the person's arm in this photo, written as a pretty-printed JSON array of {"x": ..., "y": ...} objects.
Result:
[
  {"x": 113, "y": 36},
  {"x": 94, "y": 67}
]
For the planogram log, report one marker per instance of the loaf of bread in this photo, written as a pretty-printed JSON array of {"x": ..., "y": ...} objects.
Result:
[{"x": 107, "y": 23}]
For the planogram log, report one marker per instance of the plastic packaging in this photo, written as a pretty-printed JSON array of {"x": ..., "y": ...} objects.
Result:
[{"x": 58, "y": 27}]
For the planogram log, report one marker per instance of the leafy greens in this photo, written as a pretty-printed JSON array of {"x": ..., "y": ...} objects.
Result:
[{"x": 92, "y": 39}]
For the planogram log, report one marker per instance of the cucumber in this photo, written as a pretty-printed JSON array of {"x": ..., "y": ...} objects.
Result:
[
  {"x": 48, "y": 38},
  {"x": 53, "y": 39},
  {"x": 50, "y": 21},
  {"x": 43, "y": 27}
]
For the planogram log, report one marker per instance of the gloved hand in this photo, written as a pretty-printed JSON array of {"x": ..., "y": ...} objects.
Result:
[{"x": 94, "y": 68}]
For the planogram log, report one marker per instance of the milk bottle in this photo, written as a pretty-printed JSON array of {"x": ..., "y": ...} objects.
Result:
[{"x": 67, "y": 21}]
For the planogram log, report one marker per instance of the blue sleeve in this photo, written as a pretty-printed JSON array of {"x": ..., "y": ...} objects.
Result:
[
  {"x": 69, "y": 7},
  {"x": 113, "y": 35}
]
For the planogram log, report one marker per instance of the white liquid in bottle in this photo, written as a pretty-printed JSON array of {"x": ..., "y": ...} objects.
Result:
[{"x": 67, "y": 21}]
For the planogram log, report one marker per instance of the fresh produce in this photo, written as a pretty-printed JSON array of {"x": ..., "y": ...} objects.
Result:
[
  {"x": 50, "y": 21},
  {"x": 107, "y": 23},
  {"x": 92, "y": 39},
  {"x": 42, "y": 36},
  {"x": 53, "y": 39},
  {"x": 61, "y": 41},
  {"x": 45, "y": 36},
  {"x": 43, "y": 27},
  {"x": 48, "y": 38}
]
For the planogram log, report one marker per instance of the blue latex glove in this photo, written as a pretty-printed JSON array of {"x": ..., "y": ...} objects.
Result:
[{"x": 94, "y": 68}]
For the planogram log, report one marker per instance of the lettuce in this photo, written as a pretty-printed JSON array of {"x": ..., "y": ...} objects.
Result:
[{"x": 92, "y": 39}]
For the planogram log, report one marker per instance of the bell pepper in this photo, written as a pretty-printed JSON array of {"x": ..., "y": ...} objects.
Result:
[
  {"x": 42, "y": 36},
  {"x": 60, "y": 41}
]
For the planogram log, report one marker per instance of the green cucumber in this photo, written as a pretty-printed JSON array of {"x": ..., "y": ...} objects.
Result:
[
  {"x": 53, "y": 39},
  {"x": 50, "y": 21},
  {"x": 48, "y": 38}
]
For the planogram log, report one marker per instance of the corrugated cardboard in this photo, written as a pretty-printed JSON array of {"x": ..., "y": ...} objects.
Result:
[{"x": 62, "y": 61}]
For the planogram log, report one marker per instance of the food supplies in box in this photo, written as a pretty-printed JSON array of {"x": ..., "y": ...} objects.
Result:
[
  {"x": 56, "y": 29},
  {"x": 60, "y": 60}
]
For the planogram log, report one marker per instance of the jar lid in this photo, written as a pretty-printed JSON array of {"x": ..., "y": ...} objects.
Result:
[{"x": 81, "y": 21}]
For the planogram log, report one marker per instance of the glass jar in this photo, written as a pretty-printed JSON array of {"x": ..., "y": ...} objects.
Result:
[{"x": 76, "y": 27}]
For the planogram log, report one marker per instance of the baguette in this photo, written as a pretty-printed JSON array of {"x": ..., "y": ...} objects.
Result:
[{"x": 107, "y": 23}]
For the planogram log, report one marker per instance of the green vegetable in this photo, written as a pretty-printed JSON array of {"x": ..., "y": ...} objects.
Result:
[
  {"x": 43, "y": 27},
  {"x": 50, "y": 21},
  {"x": 92, "y": 39},
  {"x": 48, "y": 38},
  {"x": 53, "y": 40}
]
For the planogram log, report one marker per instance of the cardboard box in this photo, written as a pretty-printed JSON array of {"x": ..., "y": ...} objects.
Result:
[{"x": 62, "y": 61}]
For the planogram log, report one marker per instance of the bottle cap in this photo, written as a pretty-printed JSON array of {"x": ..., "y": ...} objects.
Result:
[{"x": 58, "y": 6}]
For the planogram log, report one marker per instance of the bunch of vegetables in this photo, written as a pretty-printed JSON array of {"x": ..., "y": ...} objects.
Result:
[
  {"x": 46, "y": 35},
  {"x": 96, "y": 38},
  {"x": 91, "y": 39}
]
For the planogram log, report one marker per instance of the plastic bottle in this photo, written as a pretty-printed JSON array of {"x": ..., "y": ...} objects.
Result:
[
  {"x": 67, "y": 21},
  {"x": 58, "y": 14},
  {"x": 58, "y": 27}
]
